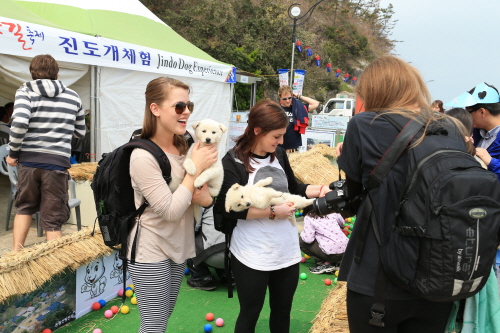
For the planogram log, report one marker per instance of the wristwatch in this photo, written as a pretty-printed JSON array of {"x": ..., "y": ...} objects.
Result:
[{"x": 273, "y": 215}]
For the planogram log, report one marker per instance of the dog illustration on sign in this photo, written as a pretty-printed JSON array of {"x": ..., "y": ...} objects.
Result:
[{"x": 94, "y": 281}]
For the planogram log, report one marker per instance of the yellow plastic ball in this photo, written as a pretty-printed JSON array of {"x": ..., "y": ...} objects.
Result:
[
  {"x": 133, "y": 300},
  {"x": 125, "y": 309},
  {"x": 131, "y": 286},
  {"x": 336, "y": 273},
  {"x": 306, "y": 256},
  {"x": 129, "y": 293}
]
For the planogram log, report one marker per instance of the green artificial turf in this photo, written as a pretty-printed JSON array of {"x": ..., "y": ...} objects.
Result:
[{"x": 193, "y": 305}]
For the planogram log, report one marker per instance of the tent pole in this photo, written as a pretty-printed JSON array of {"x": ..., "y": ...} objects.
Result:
[
  {"x": 92, "y": 114},
  {"x": 97, "y": 141}
]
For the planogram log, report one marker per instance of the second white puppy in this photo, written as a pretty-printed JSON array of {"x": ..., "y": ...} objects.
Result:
[{"x": 239, "y": 198}]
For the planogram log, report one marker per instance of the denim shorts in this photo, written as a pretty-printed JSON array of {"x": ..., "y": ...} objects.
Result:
[{"x": 44, "y": 191}]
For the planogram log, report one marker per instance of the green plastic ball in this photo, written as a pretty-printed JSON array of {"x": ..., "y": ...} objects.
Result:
[{"x": 303, "y": 276}]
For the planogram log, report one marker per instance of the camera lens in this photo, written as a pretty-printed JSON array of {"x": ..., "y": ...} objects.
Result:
[{"x": 321, "y": 207}]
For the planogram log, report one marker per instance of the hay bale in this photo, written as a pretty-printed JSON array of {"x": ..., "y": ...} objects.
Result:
[
  {"x": 83, "y": 171},
  {"x": 312, "y": 167},
  {"x": 24, "y": 271},
  {"x": 332, "y": 316}
]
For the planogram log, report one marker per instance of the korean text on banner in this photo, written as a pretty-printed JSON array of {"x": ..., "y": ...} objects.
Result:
[
  {"x": 283, "y": 75},
  {"x": 298, "y": 81}
]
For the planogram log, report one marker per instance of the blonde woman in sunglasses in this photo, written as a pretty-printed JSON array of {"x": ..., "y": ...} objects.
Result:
[{"x": 166, "y": 233}]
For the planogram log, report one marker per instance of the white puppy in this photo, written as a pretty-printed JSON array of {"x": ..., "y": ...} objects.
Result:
[{"x": 239, "y": 198}]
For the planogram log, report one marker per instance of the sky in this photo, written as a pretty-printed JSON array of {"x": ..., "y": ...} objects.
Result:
[{"x": 453, "y": 43}]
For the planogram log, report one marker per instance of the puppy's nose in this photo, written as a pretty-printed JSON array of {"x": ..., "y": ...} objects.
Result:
[
  {"x": 207, "y": 140},
  {"x": 248, "y": 204}
]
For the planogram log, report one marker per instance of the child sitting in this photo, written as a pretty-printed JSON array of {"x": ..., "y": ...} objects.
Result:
[{"x": 323, "y": 240}]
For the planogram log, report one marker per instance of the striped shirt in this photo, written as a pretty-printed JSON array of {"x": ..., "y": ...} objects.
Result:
[{"x": 46, "y": 116}]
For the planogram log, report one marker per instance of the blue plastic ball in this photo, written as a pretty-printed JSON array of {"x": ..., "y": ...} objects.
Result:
[
  {"x": 207, "y": 328},
  {"x": 128, "y": 288},
  {"x": 186, "y": 271},
  {"x": 102, "y": 302}
]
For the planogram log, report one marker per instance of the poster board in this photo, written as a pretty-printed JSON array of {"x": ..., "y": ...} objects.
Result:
[
  {"x": 313, "y": 137},
  {"x": 330, "y": 122}
]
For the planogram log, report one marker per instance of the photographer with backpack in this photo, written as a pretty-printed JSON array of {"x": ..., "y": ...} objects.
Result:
[
  {"x": 165, "y": 229},
  {"x": 385, "y": 263}
]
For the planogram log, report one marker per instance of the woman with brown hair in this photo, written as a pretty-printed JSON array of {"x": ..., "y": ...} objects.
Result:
[
  {"x": 391, "y": 85},
  {"x": 166, "y": 234},
  {"x": 437, "y": 105},
  {"x": 264, "y": 245}
]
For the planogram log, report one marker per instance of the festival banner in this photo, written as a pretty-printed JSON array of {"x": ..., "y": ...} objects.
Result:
[
  {"x": 283, "y": 75},
  {"x": 28, "y": 40},
  {"x": 298, "y": 81}
]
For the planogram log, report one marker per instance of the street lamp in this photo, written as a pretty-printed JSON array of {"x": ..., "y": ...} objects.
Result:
[{"x": 294, "y": 13}]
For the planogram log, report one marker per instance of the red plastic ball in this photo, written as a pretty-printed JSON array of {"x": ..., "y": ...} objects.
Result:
[
  {"x": 328, "y": 282},
  {"x": 210, "y": 316},
  {"x": 302, "y": 260},
  {"x": 114, "y": 309},
  {"x": 96, "y": 306},
  {"x": 47, "y": 330}
]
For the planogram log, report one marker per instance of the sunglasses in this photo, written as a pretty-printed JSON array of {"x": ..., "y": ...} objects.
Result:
[
  {"x": 286, "y": 98},
  {"x": 181, "y": 106}
]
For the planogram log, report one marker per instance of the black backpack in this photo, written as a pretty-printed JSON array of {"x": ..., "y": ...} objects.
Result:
[
  {"x": 447, "y": 227},
  {"x": 114, "y": 195},
  {"x": 226, "y": 225}
]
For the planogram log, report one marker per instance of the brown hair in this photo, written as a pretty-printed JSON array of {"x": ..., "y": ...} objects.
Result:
[
  {"x": 266, "y": 115},
  {"x": 44, "y": 66},
  {"x": 466, "y": 119},
  {"x": 439, "y": 104},
  {"x": 156, "y": 92},
  {"x": 391, "y": 84},
  {"x": 284, "y": 89}
]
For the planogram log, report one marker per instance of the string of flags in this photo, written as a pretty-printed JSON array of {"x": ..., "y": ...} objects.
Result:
[{"x": 347, "y": 77}]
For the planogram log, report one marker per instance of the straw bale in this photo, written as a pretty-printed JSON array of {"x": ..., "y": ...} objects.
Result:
[
  {"x": 24, "y": 271},
  {"x": 312, "y": 167},
  {"x": 332, "y": 316},
  {"x": 83, "y": 171}
]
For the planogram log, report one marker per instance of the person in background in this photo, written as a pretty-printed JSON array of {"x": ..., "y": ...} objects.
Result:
[
  {"x": 298, "y": 117},
  {"x": 323, "y": 240},
  {"x": 9, "y": 107},
  {"x": 392, "y": 85},
  {"x": 484, "y": 106},
  {"x": 166, "y": 233},
  {"x": 46, "y": 116},
  {"x": 264, "y": 246},
  {"x": 437, "y": 105}
]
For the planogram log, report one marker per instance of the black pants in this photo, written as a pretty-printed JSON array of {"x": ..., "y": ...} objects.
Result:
[
  {"x": 314, "y": 251},
  {"x": 408, "y": 316},
  {"x": 252, "y": 286}
]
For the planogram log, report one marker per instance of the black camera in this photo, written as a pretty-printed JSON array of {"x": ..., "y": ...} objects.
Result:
[{"x": 335, "y": 201}]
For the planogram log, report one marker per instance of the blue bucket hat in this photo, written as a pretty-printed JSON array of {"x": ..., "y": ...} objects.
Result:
[{"x": 483, "y": 93}]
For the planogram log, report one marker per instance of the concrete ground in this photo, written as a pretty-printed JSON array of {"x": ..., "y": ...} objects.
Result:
[{"x": 6, "y": 235}]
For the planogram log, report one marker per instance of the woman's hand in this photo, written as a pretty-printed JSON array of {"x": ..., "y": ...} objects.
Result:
[
  {"x": 202, "y": 197},
  {"x": 338, "y": 148},
  {"x": 483, "y": 155},
  {"x": 203, "y": 157},
  {"x": 284, "y": 210}
]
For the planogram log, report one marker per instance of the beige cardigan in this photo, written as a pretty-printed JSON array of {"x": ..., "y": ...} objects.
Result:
[{"x": 167, "y": 225}]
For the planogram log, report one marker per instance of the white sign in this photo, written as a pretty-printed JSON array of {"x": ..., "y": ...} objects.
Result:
[
  {"x": 236, "y": 129},
  {"x": 312, "y": 138},
  {"x": 330, "y": 122},
  {"x": 243, "y": 79},
  {"x": 28, "y": 40}
]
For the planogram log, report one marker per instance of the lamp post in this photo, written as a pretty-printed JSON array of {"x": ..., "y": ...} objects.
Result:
[{"x": 294, "y": 13}]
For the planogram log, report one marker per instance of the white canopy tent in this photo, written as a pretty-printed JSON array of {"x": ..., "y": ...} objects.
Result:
[{"x": 110, "y": 75}]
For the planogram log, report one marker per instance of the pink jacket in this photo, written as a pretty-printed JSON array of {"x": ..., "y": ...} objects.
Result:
[{"x": 327, "y": 231}]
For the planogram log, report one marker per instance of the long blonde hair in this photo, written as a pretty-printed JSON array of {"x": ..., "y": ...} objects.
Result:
[
  {"x": 156, "y": 92},
  {"x": 393, "y": 85}
]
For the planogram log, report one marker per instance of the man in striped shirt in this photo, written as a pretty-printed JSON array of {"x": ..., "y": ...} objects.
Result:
[{"x": 46, "y": 116}]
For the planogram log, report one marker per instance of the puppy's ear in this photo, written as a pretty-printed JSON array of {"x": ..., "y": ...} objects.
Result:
[
  {"x": 196, "y": 124},
  {"x": 228, "y": 208},
  {"x": 235, "y": 186},
  {"x": 223, "y": 128}
]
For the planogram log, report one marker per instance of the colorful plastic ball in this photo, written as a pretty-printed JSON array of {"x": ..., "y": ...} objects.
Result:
[
  {"x": 128, "y": 288},
  {"x": 335, "y": 279},
  {"x": 97, "y": 330},
  {"x": 328, "y": 282},
  {"x": 209, "y": 316},
  {"x": 108, "y": 314},
  {"x": 207, "y": 328},
  {"x": 349, "y": 219},
  {"x": 125, "y": 309},
  {"x": 134, "y": 295},
  {"x": 120, "y": 292},
  {"x": 102, "y": 302},
  {"x": 47, "y": 330},
  {"x": 306, "y": 256},
  {"x": 219, "y": 322},
  {"x": 129, "y": 293},
  {"x": 303, "y": 276},
  {"x": 131, "y": 286},
  {"x": 186, "y": 271},
  {"x": 133, "y": 300},
  {"x": 115, "y": 309},
  {"x": 302, "y": 260},
  {"x": 336, "y": 273},
  {"x": 96, "y": 306}
]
